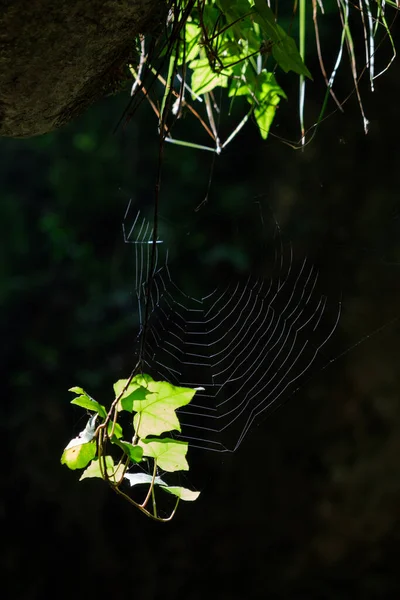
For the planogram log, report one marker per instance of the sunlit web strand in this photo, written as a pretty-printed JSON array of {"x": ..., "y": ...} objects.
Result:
[{"x": 247, "y": 344}]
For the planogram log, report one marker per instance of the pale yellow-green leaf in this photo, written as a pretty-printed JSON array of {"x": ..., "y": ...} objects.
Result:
[
  {"x": 78, "y": 456},
  {"x": 182, "y": 493},
  {"x": 94, "y": 470},
  {"x": 156, "y": 414},
  {"x": 170, "y": 454}
]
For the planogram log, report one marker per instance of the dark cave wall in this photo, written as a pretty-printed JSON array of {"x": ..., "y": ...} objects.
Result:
[{"x": 58, "y": 58}]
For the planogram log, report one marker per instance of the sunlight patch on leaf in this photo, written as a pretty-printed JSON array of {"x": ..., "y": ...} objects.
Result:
[
  {"x": 85, "y": 401},
  {"x": 156, "y": 414},
  {"x": 136, "y": 390},
  {"x": 78, "y": 456},
  {"x": 135, "y": 453},
  {"x": 268, "y": 96},
  {"x": 204, "y": 79},
  {"x": 94, "y": 471},
  {"x": 192, "y": 39},
  {"x": 169, "y": 454}
]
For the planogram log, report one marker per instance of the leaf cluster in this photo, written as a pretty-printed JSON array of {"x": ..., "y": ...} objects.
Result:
[
  {"x": 214, "y": 44},
  {"x": 240, "y": 46},
  {"x": 127, "y": 459}
]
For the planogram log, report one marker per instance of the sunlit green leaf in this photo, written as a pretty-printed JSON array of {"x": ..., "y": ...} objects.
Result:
[
  {"x": 192, "y": 39},
  {"x": 182, "y": 493},
  {"x": 170, "y": 454},
  {"x": 115, "y": 430},
  {"x": 203, "y": 77},
  {"x": 77, "y": 390},
  {"x": 239, "y": 89},
  {"x": 94, "y": 470},
  {"x": 77, "y": 457},
  {"x": 156, "y": 414},
  {"x": 135, "y": 453},
  {"x": 126, "y": 402},
  {"x": 85, "y": 401},
  {"x": 136, "y": 390},
  {"x": 268, "y": 95}
]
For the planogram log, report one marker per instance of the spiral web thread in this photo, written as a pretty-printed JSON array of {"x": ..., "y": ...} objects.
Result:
[{"x": 247, "y": 344}]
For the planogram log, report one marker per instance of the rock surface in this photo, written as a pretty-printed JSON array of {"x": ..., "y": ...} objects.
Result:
[{"x": 58, "y": 57}]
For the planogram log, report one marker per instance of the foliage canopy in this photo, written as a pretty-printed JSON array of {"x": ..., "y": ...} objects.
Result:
[{"x": 243, "y": 47}]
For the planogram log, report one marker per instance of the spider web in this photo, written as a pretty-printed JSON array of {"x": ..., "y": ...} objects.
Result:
[{"x": 247, "y": 343}]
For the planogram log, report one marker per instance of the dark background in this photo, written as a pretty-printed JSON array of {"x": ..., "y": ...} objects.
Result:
[{"x": 308, "y": 507}]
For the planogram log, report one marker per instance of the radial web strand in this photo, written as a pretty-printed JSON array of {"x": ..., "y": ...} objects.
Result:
[{"x": 248, "y": 344}]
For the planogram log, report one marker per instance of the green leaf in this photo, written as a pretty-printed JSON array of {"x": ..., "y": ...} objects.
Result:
[
  {"x": 203, "y": 77},
  {"x": 284, "y": 48},
  {"x": 85, "y": 401},
  {"x": 135, "y": 453},
  {"x": 237, "y": 14},
  {"x": 287, "y": 55},
  {"x": 77, "y": 390},
  {"x": 266, "y": 19},
  {"x": 78, "y": 456},
  {"x": 239, "y": 90},
  {"x": 182, "y": 493},
  {"x": 170, "y": 454},
  {"x": 136, "y": 390},
  {"x": 137, "y": 381},
  {"x": 139, "y": 478},
  {"x": 126, "y": 402},
  {"x": 268, "y": 95},
  {"x": 94, "y": 470},
  {"x": 192, "y": 39},
  {"x": 115, "y": 430},
  {"x": 156, "y": 414}
]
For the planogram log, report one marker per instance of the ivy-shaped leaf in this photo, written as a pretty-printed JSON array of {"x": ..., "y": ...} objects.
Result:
[
  {"x": 204, "y": 79},
  {"x": 115, "y": 430},
  {"x": 135, "y": 453},
  {"x": 268, "y": 95},
  {"x": 156, "y": 414},
  {"x": 94, "y": 470},
  {"x": 284, "y": 47},
  {"x": 169, "y": 454},
  {"x": 287, "y": 55},
  {"x": 136, "y": 390},
  {"x": 126, "y": 402},
  {"x": 78, "y": 456},
  {"x": 80, "y": 450},
  {"x": 85, "y": 401},
  {"x": 192, "y": 39},
  {"x": 77, "y": 390}
]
